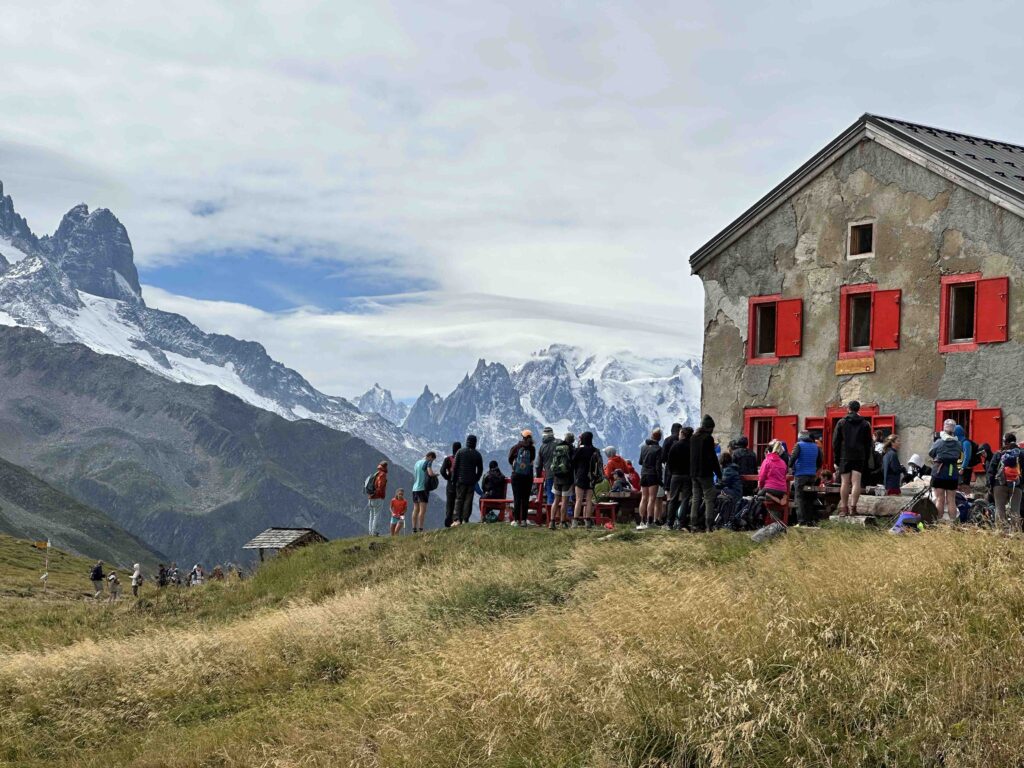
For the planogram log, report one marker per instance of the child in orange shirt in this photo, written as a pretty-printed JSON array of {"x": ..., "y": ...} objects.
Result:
[{"x": 398, "y": 507}]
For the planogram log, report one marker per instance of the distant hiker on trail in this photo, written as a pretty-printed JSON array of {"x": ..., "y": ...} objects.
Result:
[
  {"x": 469, "y": 468},
  {"x": 587, "y": 470},
  {"x": 562, "y": 472},
  {"x": 115, "y": 587},
  {"x": 96, "y": 577},
  {"x": 947, "y": 454},
  {"x": 174, "y": 575},
  {"x": 852, "y": 447},
  {"x": 196, "y": 576},
  {"x": 376, "y": 487},
  {"x": 680, "y": 486},
  {"x": 163, "y": 576},
  {"x": 447, "y": 468},
  {"x": 704, "y": 467},
  {"x": 615, "y": 462},
  {"x": 398, "y": 507},
  {"x": 136, "y": 579},
  {"x": 544, "y": 454},
  {"x": 651, "y": 474},
  {"x": 805, "y": 463},
  {"x": 495, "y": 484},
  {"x": 424, "y": 480},
  {"x": 521, "y": 457}
]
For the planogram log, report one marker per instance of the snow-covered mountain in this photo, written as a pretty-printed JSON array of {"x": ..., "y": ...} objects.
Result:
[
  {"x": 619, "y": 397},
  {"x": 379, "y": 400},
  {"x": 81, "y": 285}
]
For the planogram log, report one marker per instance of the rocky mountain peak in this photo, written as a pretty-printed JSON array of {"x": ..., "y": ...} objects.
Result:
[{"x": 380, "y": 401}]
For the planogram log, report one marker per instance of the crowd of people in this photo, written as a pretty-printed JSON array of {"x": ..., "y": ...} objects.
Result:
[
  {"x": 682, "y": 478},
  {"x": 109, "y": 582}
]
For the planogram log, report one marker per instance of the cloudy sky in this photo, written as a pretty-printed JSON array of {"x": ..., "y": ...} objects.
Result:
[{"x": 385, "y": 191}]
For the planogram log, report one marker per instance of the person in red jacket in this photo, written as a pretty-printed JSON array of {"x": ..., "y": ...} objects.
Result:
[
  {"x": 614, "y": 462},
  {"x": 375, "y": 502},
  {"x": 631, "y": 473},
  {"x": 398, "y": 508}
]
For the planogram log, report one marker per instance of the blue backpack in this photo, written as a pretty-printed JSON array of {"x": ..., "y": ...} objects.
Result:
[{"x": 523, "y": 465}]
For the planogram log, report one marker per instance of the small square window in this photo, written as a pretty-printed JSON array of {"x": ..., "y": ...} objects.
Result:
[
  {"x": 862, "y": 240},
  {"x": 765, "y": 331},
  {"x": 961, "y": 313},
  {"x": 859, "y": 307}
]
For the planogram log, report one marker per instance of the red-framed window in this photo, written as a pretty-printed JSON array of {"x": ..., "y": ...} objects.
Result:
[
  {"x": 774, "y": 328},
  {"x": 869, "y": 320},
  {"x": 762, "y": 425},
  {"x": 982, "y": 425},
  {"x": 973, "y": 310}
]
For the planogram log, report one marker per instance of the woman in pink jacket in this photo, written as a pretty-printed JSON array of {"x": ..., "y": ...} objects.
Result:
[{"x": 772, "y": 476}]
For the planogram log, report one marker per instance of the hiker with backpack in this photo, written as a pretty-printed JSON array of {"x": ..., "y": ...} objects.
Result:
[
  {"x": 704, "y": 467},
  {"x": 424, "y": 480},
  {"x": 947, "y": 455},
  {"x": 968, "y": 459},
  {"x": 805, "y": 464},
  {"x": 680, "y": 487},
  {"x": 892, "y": 471},
  {"x": 651, "y": 474},
  {"x": 375, "y": 486},
  {"x": 447, "y": 467},
  {"x": 854, "y": 454},
  {"x": 544, "y": 454},
  {"x": 468, "y": 469},
  {"x": 1004, "y": 479},
  {"x": 96, "y": 577},
  {"x": 588, "y": 469},
  {"x": 521, "y": 457},
  {"x": 562, "y": 476},
  {"x": 115, "y": 587}
]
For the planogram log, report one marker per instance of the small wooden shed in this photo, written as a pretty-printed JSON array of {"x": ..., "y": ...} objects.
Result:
[{"x": 285, "y": 539}]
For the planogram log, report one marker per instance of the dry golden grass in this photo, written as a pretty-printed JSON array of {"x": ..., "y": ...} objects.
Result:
[{"x": 494, "y": 647}]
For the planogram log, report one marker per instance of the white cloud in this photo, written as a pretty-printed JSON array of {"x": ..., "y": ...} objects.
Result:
[{"x": 407, "y": 341}]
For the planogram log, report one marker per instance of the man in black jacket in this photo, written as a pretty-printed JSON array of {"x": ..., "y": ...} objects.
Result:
[
  {"x": 703, "y": 468},
  {"x": 680, "y": 486},
  {"x": 666, "y": 447},
  {"x": 447, "y": 466},
  {"x": 469, "y": 468},
  {"x": 852, "y": 447}
]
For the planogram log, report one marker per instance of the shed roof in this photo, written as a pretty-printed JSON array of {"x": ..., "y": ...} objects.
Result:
[
  {"x": 993, "y": 169},
  {"x": 279, "y": 538}
]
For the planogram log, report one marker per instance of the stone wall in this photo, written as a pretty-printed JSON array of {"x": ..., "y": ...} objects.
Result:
[{"x": 925, "y": 227}]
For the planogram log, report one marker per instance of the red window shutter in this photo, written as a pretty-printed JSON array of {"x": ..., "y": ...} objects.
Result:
[
  {"x": 887, "y": 423},
  {"x": 784, "y": 429},
  {"x": 987, "y": 427},
  {"x": 885, "y": 320},
  {"x": 789, "y": 323},
  {"x": 991, "y": 309}
]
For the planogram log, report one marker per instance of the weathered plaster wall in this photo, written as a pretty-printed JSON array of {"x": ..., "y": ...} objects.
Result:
[{"x": 926, "y": 226}]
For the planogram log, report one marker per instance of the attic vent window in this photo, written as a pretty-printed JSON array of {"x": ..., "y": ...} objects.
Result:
[{"x": 861, "y": 240}]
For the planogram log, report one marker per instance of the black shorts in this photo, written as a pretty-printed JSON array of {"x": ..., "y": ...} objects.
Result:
[
  {"x": 945, "y": 483},
  {"x": 851, "y": 465},
  {"x": 420, "y": 497},
  {"x": 646, "y": 481}
]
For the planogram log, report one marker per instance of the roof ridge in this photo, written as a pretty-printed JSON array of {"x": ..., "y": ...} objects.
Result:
[{"x": 899, "y": 122}]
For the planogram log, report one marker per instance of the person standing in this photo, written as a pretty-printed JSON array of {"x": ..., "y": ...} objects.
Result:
[
  {"x": 892, "y": 470},
  {"x": 163, "y": 576},
  {"x": 967, "y": 458},
  {"x": 562, "y": 473},
  {"x": 115, "y": 587},
  {"x": 666, "y": 479},
  {"x": 704, "y": 467},
  {"x": 544, "y": 454},
  {"x": 376, "y": 487},
  {"x": 136, "y": 579},
  {"x": 651, "y": 474},
  {"x": 947, "y": 454},
  {"x": 447, "y": 467},
  {"x": 469, "y": 468},
  {"x": 852, "y": 448},
  {"x": 521, "y": 457},
  {"x": 96, "y": 577},
  {"x": 422, "y": 473},
  {"x": 587, "y": 469},
  {"x": 1004, "y": 478},
  {"x": 677, "y": 467},
  {"x": 399, "y": 506},
  {"x": 805, "y": 463}
]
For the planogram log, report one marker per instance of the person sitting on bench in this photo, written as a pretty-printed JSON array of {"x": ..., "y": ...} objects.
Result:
[{"x": 772, "y": 479}]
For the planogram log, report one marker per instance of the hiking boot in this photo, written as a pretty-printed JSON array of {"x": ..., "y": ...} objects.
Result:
[{"x": 590, "y": 523}]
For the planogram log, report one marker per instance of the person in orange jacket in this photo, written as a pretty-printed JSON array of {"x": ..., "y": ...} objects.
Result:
[
  {"x": 631, "y": 473},
  {"x": 398, "y": 508},
  {"x": 614, "y": 462}
]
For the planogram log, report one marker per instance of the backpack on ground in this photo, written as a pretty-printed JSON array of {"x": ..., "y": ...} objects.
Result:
[
  {"x": 1009, "y": 467},
  {"x": 560, "y": 461},
  {"x": 370, "y": 484},
  {"x": 523, "y": 464},
  {"x": 725, "y": 510}
]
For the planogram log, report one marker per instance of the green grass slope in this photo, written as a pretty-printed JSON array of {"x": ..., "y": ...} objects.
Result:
[
  {"x": 489, "y": 646},
  {"x": 32, "y": 509}
]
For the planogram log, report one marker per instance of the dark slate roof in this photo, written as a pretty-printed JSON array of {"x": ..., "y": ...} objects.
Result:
[
  {"x": 989, "y": 167},
  {"x": 279, "y": 538}
]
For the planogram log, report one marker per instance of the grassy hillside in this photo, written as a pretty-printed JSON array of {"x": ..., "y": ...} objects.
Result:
[
  {"x": 32, "y": 509},
  {"x": 487, "y": 646}
]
